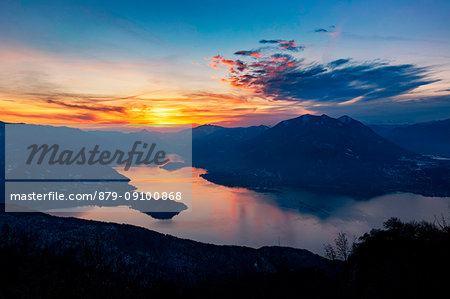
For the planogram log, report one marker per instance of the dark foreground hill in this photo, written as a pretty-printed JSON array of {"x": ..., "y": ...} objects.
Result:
[
  {"x": 403, "y": 260},
  {"x": 138, "y": 255},
  {"x": 318, "y": 152},
  {"x": 49, "y": 257}
]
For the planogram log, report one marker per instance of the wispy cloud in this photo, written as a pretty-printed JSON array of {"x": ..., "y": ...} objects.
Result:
[
  {"x": 237, "y": 65},
  {"x": 253, "y": 53},
  {"x": 282, "y": 76},
  {"x": 332, "y": 31},
  {"x": 284, "y": 44},
  {"x": 233, "y": 65},
  {"x": 47, "y": 118},
  {"x": 88, "y": 106}
]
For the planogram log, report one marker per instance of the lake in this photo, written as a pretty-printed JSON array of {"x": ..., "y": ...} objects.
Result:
[{"x": 290, "y": 217}]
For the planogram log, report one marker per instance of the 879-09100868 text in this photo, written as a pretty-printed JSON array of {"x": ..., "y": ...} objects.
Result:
[{"x": 101, "y": 196}]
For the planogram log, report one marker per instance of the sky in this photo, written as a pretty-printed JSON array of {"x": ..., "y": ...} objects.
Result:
[{"x": 233, "y": 63}]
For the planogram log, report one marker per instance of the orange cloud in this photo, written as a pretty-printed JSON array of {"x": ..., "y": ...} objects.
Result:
[
  {"x": 233, "y": 65},
  {"x": 193, "y": 108},
  {"x": 253, "y": 53},
  {"x": 36, "y": 87}
]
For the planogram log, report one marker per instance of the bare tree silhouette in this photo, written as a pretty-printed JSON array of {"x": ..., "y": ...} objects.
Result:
[{"x": 341, "y": 248}]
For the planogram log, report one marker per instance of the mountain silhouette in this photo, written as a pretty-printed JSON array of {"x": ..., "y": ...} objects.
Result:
[
  {"x": 320, "y": 152},
  {"x": 215, "y": 146},
  {"x": 429, "y": 138}
]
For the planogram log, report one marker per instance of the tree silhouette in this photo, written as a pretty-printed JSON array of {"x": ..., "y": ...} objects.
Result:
[
  {"x": 330, "y": 253},
  {"x": 341, "y": 248}
]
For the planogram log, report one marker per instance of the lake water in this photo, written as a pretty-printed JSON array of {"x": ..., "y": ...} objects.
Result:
[{"x": 295, "y": 218}]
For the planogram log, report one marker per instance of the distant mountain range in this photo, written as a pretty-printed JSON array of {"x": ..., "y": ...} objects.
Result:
[
  {"x": 318, "y": 152},
  {"x": 333, "y": 155},
  {"x": 429, "y": 138},
  {"x": 84, "y": 178}
]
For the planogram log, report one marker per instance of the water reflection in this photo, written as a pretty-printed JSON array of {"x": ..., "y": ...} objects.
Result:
[{"x": 302, "y": 219}]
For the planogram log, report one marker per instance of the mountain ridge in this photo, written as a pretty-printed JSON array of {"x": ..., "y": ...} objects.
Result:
[
  {"x": 320, "y": 152},
  {"x": 428, "y": 138}
]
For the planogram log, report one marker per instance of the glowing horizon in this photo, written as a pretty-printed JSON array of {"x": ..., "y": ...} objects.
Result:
[{"x": 118, "y": 63}]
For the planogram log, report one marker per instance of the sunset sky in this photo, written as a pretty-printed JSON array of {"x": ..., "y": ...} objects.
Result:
[{"x": 233, "y": 63}]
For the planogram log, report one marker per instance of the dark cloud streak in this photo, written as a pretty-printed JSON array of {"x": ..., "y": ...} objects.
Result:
[
  {"x": 284, "y": 44},
  {"x": 91, "y": 107},
  {"x": 253, "y": 53},
  {"x": 282, "y": 76}
]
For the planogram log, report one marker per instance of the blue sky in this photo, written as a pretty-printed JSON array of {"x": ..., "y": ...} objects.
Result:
[{"x": 149, "y": 57}]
